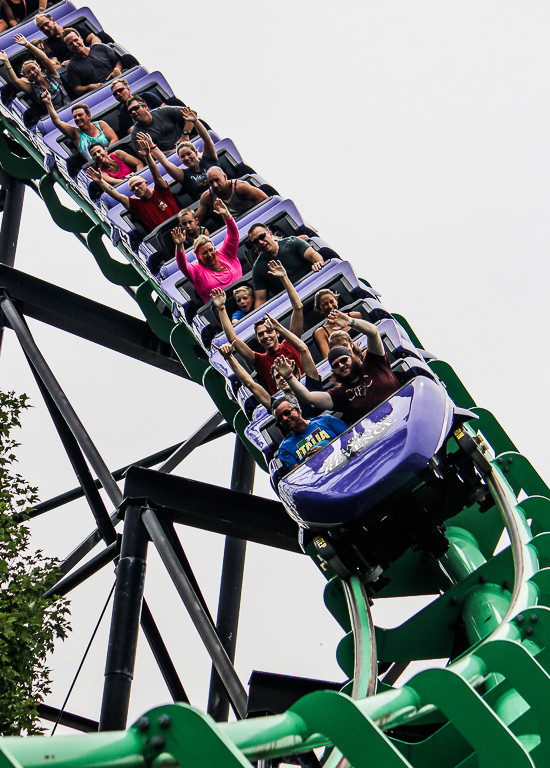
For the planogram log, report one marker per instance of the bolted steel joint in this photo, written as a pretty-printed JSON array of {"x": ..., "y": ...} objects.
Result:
[
  {"x": 143, "y": 724},
  {"x": 163, "y": 721},
  {"x": 157, "y": 742}
]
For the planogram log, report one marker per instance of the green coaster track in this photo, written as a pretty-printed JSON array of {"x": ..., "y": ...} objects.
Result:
[{"x": 489, "y": 707}]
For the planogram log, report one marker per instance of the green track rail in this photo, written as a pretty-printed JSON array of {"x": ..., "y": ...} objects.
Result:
[{"x": 489, "y": 708}]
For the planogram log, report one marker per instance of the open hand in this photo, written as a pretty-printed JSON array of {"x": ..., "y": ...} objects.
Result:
[
  {"x": 221, "y": 208},
  {"x": 189, "y": 114},
  {"x": 20, "y": 40},
  {"x": 178, "y": 237},
  {"x": 283, "y": 366},
  {"x": 218, "y": 298},
  {"x": 276, "y": 269},
  {"x": 94, "y": 175}
]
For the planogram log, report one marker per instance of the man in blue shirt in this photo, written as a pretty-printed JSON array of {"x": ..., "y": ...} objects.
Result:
[{"x": 306, "y": 437}]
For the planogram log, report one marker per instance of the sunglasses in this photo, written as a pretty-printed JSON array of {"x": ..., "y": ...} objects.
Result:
[
  {"x": 340, "y": 361},
  {"x": 118, "y": 91},
  {"x": 135, "y": 108},
  {"x": 284, "y": 414},
  {"x": 259, "y": 239}
]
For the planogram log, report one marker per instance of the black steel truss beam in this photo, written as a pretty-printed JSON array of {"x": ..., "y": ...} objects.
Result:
[
  {"x": 118, "y": 474},
  {"x": 77, "y": 722},
  {"x": 88, "y": 319},
  {"x": 211, "y": 508}
]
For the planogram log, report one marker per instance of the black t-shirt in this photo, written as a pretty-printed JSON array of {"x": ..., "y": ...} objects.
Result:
[
  {"x": 291, "y": 255},
  {"x": 125, "y": 122},
  {"x": 57, "y": 47},
  {"x": 194, "y": 182},
  {"x": 93, "y": 68},
  {"x": 375, "y": 385}
]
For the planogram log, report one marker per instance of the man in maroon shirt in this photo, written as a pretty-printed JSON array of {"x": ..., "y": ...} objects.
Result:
[
  {"x": 150, "y": 207},
  {"x": 266, "y": 335},
  {"x": 361, "y": 386}
]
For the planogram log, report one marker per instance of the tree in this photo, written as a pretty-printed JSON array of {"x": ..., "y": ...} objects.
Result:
[{"x": 29, "y": 624}]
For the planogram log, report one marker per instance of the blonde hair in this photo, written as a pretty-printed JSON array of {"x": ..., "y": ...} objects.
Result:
[
  {"x": 243, "y": 289},
  {"x": 120, "y": 80},
  {"x": 200, "y": 241}
]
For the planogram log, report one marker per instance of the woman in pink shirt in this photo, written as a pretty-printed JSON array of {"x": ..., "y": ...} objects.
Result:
[{"x": 213, "y": 269}]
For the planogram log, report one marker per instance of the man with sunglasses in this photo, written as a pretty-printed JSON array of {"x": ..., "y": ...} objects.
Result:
[
  {"x": 297, "y": 257},
  {"x": 150, "y": 207},
  {"x": 361, "y": 386},
  {"x": 121, "y": 91},
  {"x": 165, "y": 125},
  {"x": 306, "y": 438}
]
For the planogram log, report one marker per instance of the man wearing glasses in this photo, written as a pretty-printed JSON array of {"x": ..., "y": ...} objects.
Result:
[
  {"x": 121, "y": 92},
  {"x": 361, "y": 386},
  {"x": 89, "y": 66},
  {"x": 296, "y": 256},
  {"x": 306, "y": 438},
  {"x": 165, "y": 125},
  {"x": 150, "y": 207},
  {"x": 55, "y": 45}
]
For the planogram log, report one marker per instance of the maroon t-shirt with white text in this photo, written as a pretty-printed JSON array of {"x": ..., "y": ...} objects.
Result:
[{"x": 376, "y": 384}]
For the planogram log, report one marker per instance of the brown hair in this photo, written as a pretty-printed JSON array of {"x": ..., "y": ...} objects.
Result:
[
  {"x": 319, "y": 295},
  {"x": 85, "y": 107},
  {"x": 257, "y": 224},
  {"x": 68, "y": 31},
  {"x": 186, "y": 144},
  {"x": 136, "y": 99},
  {"x": 337, "y": 337}
]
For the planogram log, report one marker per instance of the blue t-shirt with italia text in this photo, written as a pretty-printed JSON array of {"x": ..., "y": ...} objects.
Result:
[{"x": 320, "y": 431}]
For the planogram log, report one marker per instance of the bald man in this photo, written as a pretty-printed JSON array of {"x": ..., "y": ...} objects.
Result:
[
  {"x": 150, "y": 207},
  {"x": 239, "y": 196}
]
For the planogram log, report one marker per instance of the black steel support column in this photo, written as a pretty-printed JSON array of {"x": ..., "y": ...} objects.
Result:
[
  {"x": 81, "y": 470},
  {"x": 162, "y": 657},
  {"x": 121, "y": 652},
  {"x": 11, "y": 220},
  {"x": 229, "y": 603},
  {"x": 197, "y": 612},
  {"x": 77, "y": 428}
]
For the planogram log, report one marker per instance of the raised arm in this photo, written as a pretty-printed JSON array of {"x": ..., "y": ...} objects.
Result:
[
  {"x": 181, "y": 259},
  {"x": 145, "y": 147},
  {"x": 106, "y": 187},
  {"x": 218, "y": 300},
  {"x": 22, "y": 85},
  {"x": 261, "y": 394},
  {"x": 320, "y": 399},
  {"x": 374, "y": 341},
  {"x": 70, "y": 131},
  {"x": 230, "y": 246},
  {"x": 276, "y": 269},
  {"x": 208, "y": 148},
  {"x": 39, "y": 55},
  {"x": 301, "y": 347},
  {"x": 175, "y": 171}
]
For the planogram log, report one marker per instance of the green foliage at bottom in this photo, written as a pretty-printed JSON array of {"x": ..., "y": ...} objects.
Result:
[{"x": 29, "y": 624}]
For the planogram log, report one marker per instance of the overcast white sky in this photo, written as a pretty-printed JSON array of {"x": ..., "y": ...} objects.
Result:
[{"x": 414, "y": 136}]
